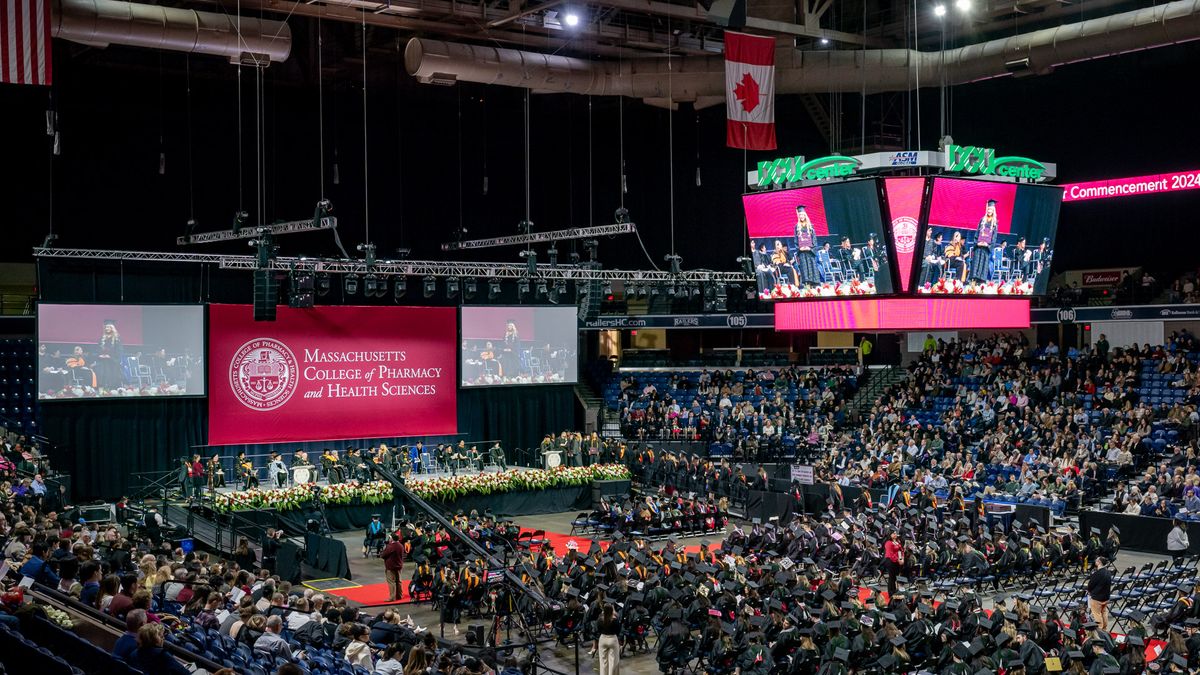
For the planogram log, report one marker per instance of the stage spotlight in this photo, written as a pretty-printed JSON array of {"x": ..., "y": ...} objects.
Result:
[
  {"x": 608, "y": 289},
  {"x": 430, "y": 287},
  {"x": 239, "y": 221},
  {"x": 621, "y": 215},
  {"x": 963, "y": 6},
  {"x": 470, "y": 288},
  {"x": 671, "y": 290},
  {"x": 751, "y": 293},
  {"x": 642, "y": 291},
  {"x": 493, "y": 289},
  {"x": 939, "y": 11},
  {"x": 399, "y": 288},
  {"x": 542, "y": 289},
  {"x": 824, "y": 42},
  {"x": 696, "y": 291},
  {"x": 523, "y": 289},
  {"x": 371, "y": 286},
  {"x": 451, "y": 288},
  {"x": 350, "y": 284},
  {"x": 654, "y": 290},
  {"x": 552, "y": 295},
  {"x": 323, "y": 284},
  {"x": 571, "y": 19}
]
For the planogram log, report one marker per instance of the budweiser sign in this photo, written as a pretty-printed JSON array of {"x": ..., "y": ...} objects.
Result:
[{"x": 1101, "y": 278}]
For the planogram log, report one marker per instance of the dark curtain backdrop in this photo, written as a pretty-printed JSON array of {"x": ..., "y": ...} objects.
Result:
[
  {"x": 518, "y": 415},
  {"x": 103, "y": 443}
]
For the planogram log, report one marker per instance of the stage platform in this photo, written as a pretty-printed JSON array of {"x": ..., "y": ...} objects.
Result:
[{"x": 408, "y": 479}]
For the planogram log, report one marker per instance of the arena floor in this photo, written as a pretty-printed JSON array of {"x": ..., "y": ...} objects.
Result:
[{"x": 370, "y": 571}]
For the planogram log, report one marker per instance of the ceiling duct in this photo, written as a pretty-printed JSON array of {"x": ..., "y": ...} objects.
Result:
[
  {"x": 100, "y": 23},
  {"x": 798, "y": 72}
]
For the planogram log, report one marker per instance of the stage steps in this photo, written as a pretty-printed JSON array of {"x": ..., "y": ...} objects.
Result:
[
  {"x": 216, "y": 536},
  {"x": 878, "y": 379},
  {"x": 593, "y": 406}
]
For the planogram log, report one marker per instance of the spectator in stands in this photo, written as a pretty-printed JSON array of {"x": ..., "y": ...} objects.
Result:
[
  {"x": 1177, "y": 539},
  {"x": 37, "y": 569},
  {"x": 391, "y": 664},
  {"x": 358, "y": 651},
  {"x": 120, "y": 603},
  {"x": 110, "y": 586},
  {"x": 150, "y": 657},
  {"x": 207, "y": 618},
  {"x": 271, "y": 642},
  {"x": 89, "y": 577},
  {"x": 127, "y": 643}
]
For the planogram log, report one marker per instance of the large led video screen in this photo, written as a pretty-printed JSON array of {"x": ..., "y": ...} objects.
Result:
[
  {"x": 988, "y": 238},
  {"x": 923, "y": 314},
  {"x": 331, "y": 373},
  {"x": 119, "y": 351},
  {"x": 819, "y": 242},
  {"x": 519, "y": 345}
]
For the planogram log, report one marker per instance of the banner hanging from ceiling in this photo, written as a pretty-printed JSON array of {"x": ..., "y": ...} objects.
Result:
[{"x": 331, "y": 373}]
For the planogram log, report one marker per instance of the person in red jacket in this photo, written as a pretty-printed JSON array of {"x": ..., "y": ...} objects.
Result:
[
  {"x": 893, "y": 560},
  {"x": 393, "y": 563}
]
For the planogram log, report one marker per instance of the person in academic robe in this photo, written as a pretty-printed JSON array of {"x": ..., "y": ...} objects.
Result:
[
  {"x": 331, "y": 466},
  {"x": 196, "y": 474},
  {"x": 277, "y": 470},
  {"x": 933, "y": 262},
  {"x": 81, "y": 371},
  {"x": 846, "y": 258},
  {"x": 763, "y": 269},
  {"x": 1021, "y": 256},
  {"x": 216, "y": 475},
  {"x": 956, "y": 267},
  {"x": 245, "y": 471},
  {"x": 52, "y": 369},
  {"x": 108, "y": 357},
  {"x": 510, "y": 349},
  {"x": 491, "y": 364},
  {"x": 806, "y": 244},
  {"x": 784, "y": 270},
  {"x": 497, "y": 453},
  {"x": 985, "y": 236},
  {"x": 872, "y": 258}
]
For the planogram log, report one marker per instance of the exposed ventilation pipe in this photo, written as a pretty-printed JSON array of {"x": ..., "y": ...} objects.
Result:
[
  {"x": 100, "y": 23},
  {"x": 799, "y": 72}
]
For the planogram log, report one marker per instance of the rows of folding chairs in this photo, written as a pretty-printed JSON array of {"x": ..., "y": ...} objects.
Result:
[{"x": 607, "y": 525}]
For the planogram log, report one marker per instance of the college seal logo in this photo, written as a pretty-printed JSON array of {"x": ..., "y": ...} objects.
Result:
[
  {"x": 263, "y": 374},
  {"x": 904, "y": 232}
]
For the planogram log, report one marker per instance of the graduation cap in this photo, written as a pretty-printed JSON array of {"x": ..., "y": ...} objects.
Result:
[
  {"x": 888, "y": 616},
  {"x": 841, "y": 655},
  {"x": 960, "y": 650},
  {"x": 573, "y": 592},
  {"x": 1090, "y": 625},
  {"x": 985, "y": 624},
  {"x": 828, "y": 595},
  {"x": 832, "y": 625},
  {"x": 985, "y": 671},
  {"x": 1013, "y": 664},
  {"x": 1002, "y": 639},
  {"x": 1114, "y": 528},
  {"x": 898, "y": 641},
  {"x": 1135, "y": 641},
  {"x": 675, "y": 613},
  {"x": 977, "y": 647},
  {"x": 886, "y": 662},
  {"x": 637, "y": 598},
  {"x": 759, "y": 621},
  {"x": 1096, "y": 531},
  {"x": 675, "y": 593},
  {"x": 1180, "y": 661},
  {"x": 846, "y": 605},
  {"x": 952, "y": 605},
  {"x": 1010, "y": 616},
  {"x": 1075, "y": 654},
  {"x": 728, "y": 628}
]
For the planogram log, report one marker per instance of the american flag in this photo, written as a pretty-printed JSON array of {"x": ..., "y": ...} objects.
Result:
[{"x": 25, "y": 41}]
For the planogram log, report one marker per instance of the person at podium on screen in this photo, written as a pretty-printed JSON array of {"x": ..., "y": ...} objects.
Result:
[{"x": 985, "y": 235}]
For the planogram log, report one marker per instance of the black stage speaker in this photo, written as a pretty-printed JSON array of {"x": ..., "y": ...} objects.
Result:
[
  {"x": 266, "y": 295},
  {"x": 475, "y": 635}
]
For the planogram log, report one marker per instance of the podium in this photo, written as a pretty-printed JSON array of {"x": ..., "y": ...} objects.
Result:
[{"x": 551, "y": 459}]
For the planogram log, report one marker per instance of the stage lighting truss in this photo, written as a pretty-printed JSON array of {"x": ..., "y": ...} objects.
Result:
[
  {"x": 491, "y": 271},
  {"x": 241, "y": 232},
  {"x": 541, "y": 237}
]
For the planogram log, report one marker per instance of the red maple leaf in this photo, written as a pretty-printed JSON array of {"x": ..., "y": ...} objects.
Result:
[{"x": 747, "y": 92}]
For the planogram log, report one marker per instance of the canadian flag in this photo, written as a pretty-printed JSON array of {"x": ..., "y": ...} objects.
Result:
[{"x": 749, "y": 91}]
